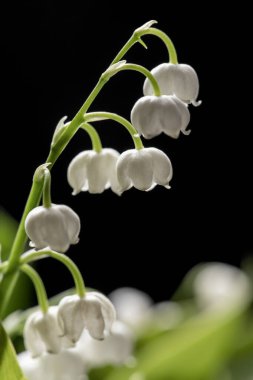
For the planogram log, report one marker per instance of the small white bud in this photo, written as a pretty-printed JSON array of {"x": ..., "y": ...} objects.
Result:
[
  {"x": 55, "y": 227},
  {"x": 175, "y": 79},
  {"x": 143, "y": 169},
  {"x": 93, "y": 312}
]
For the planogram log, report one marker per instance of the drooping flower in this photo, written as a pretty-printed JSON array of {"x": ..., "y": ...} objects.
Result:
[
  {"x": 55, "y": 227},
  {"x": 175, "y": 79},
  {"x": 94, "y": 172},
  {"x": 94, "y": 312},
  {"x": 143, "y": 169},
  {"x": 116, "y": 348},
  {"x": 42, "y": 333},
  {"x": 152, "y": 115},
  {"x": 66, "y": 365}
]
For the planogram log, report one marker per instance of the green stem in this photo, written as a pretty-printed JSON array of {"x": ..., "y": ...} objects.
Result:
[
  {"x": 39, "y": 286},
  {"x": 21, "y": 238},
  {"x": 47, "y": 189},
  {"x": 144, "y": 71},
  {"x": 96, "y": 116},
  {"x": 94, "y": 136},
  {"x": 73, "y": 126},
  {"x": 132, "y": 40},
  {"x": 72, "y": 267},
  {"x": 149, "y": 31},
  {"x": 166, "y": 39}
]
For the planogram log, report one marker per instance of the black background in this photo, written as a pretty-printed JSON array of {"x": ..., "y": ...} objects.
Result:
[{"x": 51, "y": 57}]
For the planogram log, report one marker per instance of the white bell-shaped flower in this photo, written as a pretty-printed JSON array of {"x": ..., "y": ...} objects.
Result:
[
  {"x": 42, "y": 332},
  {"x": 66, "y": 365},
  {"x": 220, "y": 287},
  {"x": 94, "y": 172},
  {"x": 175, "y": 79},
  {"x": 93, "y": 312},
  {"x": 152, "y": 115},
  {"x": 144, "y": 169},
  {"x": 55, "y": 227},
  {"x": 116, "y": 348}
]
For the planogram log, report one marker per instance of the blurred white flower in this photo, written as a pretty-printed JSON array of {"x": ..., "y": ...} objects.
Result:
[
  {"x": 93, "y": 312},
  {"x": 175, "y": 79},
  {"x": 220, "y": 287},
  {"x": 152, "y": 115},
  {"x": 94, "y": 172},
  {"x": 132, "y": 306},
  {"x": 166, "y": 315},
  {"x": 116, "y": 348},
  {"x": 55, "y": 227},
  {"x": 143, "y": 169},
  {"x": 42, "y": 332},
  {"x": 66, "y": 365}
]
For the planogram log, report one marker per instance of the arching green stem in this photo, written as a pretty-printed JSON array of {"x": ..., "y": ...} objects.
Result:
[
  {"x": 38, "y": 285},
  {"x": 47, "y": 189},
  {"x": 136, "y": 37},
  {"x": 146, "y": 72},
  {"x": 97, "y": 116},
  {"x": 166, "y": 39},
  {"x": 72, "y": 267},
  {"x": 94, "y": 136}
]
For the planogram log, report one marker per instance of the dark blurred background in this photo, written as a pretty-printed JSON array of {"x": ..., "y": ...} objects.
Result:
[{"x": 51, "y": 57}]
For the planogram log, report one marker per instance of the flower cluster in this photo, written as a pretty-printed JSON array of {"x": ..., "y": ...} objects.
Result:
[{"x": 57, "y": 335}]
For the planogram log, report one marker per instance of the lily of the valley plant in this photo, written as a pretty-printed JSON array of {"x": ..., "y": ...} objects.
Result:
[{"x": 53, "y": 335}]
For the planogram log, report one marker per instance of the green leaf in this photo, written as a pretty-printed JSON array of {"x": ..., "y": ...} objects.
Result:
[
  {"x": 8, "y": 228},
  {"x": 196, "y": 350},
  {"x": 22, "y": 293},
  {"x": 9, "y": 368}
]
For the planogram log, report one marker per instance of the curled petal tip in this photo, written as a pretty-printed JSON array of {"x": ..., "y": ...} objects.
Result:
[
  {"x": 186, "y": 133},
  {"x": 196, "y": 103}
]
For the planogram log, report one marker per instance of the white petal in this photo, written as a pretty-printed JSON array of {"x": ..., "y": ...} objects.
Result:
[
  {"x": 32, "y": 339},
  {"x": 72, "y": 223},
  {"x": 71, "y": 317},
  {"x": 77, "y": 171},
  {"x": 164, "y": 76},
  {"x": 145, "y": 116},
  {"x": 185, "y": 83},
  {"x": 30, "y": 366},
  {"x": 162, "y": 167},
  {"x": 42, "y": 332},
  {"x": 140, "y": 169},
  {"x": 94, "y": 320},
  {"x": 107, "y": 308},
  {"x": 67, "y": 365},
  {"x": 116, "y": 348},
  {"x": 122, "y": 170}
]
